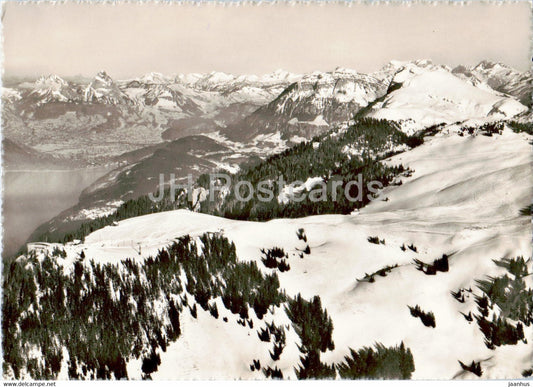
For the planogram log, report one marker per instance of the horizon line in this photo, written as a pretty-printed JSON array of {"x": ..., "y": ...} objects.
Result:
[{"x": 20, "y": 77}]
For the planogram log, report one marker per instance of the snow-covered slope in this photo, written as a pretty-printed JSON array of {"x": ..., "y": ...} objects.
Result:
[
  {"x": 462, "y": 195},
  {"x": 423, "y": 98},
  {"x": 463, "y": 199}
]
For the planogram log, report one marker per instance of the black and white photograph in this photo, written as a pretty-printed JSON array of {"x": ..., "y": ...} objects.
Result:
[{"x": 266, "y": 190}]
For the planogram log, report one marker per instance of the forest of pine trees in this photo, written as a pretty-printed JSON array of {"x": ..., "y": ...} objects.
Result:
[
  {"x": 325, "y": 157},
  {"x": 526, "y": 127},
  {"x": 104, "y": 314}
]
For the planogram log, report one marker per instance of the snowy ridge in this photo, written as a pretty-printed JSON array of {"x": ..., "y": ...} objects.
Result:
[
  {"x": 311, "y": 105},
  {"x": 219, "y": 81},
  {"x": 341, "y": 85}
]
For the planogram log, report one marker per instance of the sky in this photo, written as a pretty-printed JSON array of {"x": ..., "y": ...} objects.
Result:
[{"x": 132, "y": 39}]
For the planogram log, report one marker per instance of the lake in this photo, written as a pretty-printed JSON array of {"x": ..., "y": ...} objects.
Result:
[{"x": 31, "y": 198}]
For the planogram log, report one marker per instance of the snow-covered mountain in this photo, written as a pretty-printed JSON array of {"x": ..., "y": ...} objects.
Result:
[
  {"x": 154, "y": 78},
  {"x": 104, "y": 90},
  {"x": 313, "y": 104},
  {"x": 282, "y": 104},
  {"x": 10, "y": 95},
  {"x": 499, "y": 77},
  {"x": 442, "y": 211},
  {"x": 209, "y": 91},
  {"x": 418, "y": 93},
  {"x": 219, "y": 81},
  {"x": 419, "y": 97},
  {"x": 164, "y": 96},
  {"x": 260, "y": 114},
  {"x": 52, "y": 88}
]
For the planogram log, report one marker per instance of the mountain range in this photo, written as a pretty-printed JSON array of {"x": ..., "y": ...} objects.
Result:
[
  {"x": 64, "y": 118},
  {"x": 195, "y": 123},
  {"x": 132, "y": 124}
]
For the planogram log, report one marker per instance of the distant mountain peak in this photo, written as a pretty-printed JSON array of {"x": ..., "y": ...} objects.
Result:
[
  {"x": 104, "y": 90},
  {"x": 51, "y": 80},
  {"x": 51, "y": 88},
  {"x": 103, "y": 78},
  {"x": 153, "y": 78},
  {"x": 344, "y": 70},
  {"x": 488, "y": 65},
  {"x": 500, "y": 77}
]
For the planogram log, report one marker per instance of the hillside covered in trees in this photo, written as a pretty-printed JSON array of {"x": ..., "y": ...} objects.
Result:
[
  {"x": 91, "y": 319},
  {"x": 336, "y": 158}
]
